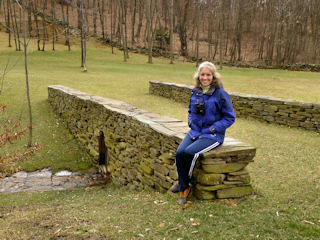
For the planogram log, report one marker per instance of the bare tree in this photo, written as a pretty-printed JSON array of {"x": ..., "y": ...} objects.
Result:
[
  {"x": 221, "y": 20},
  {"x": 25, "y": 44},
  {"x": 121, "y": 23},
  {"x": 53, "y": 23},
  {"x": 111, "y": 28},
  {"x": 8, "y": 23},
  {"x": 149, "y": 31},
  {"x": 171, "y": 32},
  {"x": 34, "y": 7},
  {"x": 11, "y": 131},
  {"x": 82, "y": 11},
  {"x": 198, "y": 32},
  {"x": 141, "y": 11},
  {"x": 68, "y": 27},
  {"x": 182, "y": 7},
  {"x": 101, "y": 7},
  {"x": 124, "y": 19},
  {"x": 44, "y": 37},
  {"x": 133, "y": 21},
  {"x": 94, "y": 14}
]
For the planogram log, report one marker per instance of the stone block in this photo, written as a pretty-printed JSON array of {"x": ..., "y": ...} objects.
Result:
[
  {"x": 229, "y": 183},
  {"x": 235, "y": 192},
  {"x": 242, "y": 178},
  {"x": 42, "y": 181},
  {"x": 212, "y": 161},
  {"x": 271, "y": 108},
  {"x": 208, "y": 179},
  {"x": 307, "y": 124},
  {"x": 173, "y": 174},
  {"x": 210, "y": 188},
  {"x": 167, "y": 158},
  {"x": 203, "y": 195},
  {"x": 146, "y": 180},
  {"x": 146, "y": 169},
  {"x": 161, "y": 169},
  {"x": 224, "y": 168},
  {"x": 162, "y": 183},
  {"x": 241, "y": 172},
  {"x": 21, "y": 174}
]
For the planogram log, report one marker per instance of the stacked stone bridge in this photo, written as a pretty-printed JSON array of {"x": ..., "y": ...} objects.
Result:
[{"x": 142, "y": 145}]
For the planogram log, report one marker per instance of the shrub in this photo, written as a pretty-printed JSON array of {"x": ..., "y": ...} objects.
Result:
[{"x": 11, "y": 131}]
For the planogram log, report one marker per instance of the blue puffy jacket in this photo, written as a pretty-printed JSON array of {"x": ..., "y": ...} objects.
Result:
[{"x": 219, "y": 114}]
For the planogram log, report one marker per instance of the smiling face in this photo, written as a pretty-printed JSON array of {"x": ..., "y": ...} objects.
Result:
[{"x": 205, "y": 77}]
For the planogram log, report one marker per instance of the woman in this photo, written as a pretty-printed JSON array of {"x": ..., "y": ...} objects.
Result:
[{"x": 210, "y": 114}]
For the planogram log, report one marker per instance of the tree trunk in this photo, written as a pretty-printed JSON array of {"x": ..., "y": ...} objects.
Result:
[
  {"x": 68, "y": 29},
  {"x": 140, "y": 19},
  {"x": 35, "y": 15},
  {"x": 15, "y": 28},
  {"x": 8, "y": 23},
  {"x": 182, "y": 12},
  {"x": 101, "y": 5},
  {"x": 83, "y": 37},
  {"x": 111, "y": 34},
  {"x": 171, "y": 32},
  {"x": 149, "y": 31},
  {"x": 221, "y": 33},
  {"x": 29, "y": 18},
  {"x": 79, "y": 14},
  {"x": 124, "y": 13},
  {"x": 94, "y": 15},
  {"x": 44, "y": 24},
  {"x": 53, "y": 23},
  {"x": 198, "y": 29},
  {"x": 122, "y": 30},
  {"x": 210, "y": 30},
  {"x": 133, "y": 21}
]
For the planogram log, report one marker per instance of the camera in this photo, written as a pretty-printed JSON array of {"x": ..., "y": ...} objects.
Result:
[{"x": 200, "y": 108}]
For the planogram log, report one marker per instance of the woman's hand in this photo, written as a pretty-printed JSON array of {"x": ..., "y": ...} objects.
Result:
[{"x": 206, "y": 131}]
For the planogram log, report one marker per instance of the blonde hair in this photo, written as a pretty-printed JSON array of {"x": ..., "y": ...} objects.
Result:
[{"x": 216, "y": 77}]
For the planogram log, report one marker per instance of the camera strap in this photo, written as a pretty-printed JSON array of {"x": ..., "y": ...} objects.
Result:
[{"x": 205, "y": 100}]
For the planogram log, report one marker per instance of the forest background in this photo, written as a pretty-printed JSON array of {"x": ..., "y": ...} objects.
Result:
[{"x": 245, "y": 32}]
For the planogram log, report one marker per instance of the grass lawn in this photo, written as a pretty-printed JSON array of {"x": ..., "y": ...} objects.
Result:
[{"x": 285, "y": 174}]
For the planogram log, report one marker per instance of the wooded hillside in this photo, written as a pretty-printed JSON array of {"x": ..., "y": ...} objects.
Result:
[{"x": 256, "y": 32}]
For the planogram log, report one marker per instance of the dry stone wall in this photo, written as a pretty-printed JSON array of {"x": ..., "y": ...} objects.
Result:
[
  {"x": 265, "y": 109},
  {"x": 142, "y": 145}
]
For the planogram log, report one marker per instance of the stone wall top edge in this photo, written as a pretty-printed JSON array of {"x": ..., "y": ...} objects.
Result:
[
  {"x": 286, "y": 101},
  {"x": 151, "y": 119},
  {"x": 154, "y": 121},
  {"x": 173, "y": 84},
  {"x": 228, "y": 141}
]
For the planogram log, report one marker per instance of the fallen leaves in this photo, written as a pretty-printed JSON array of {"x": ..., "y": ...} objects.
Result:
[
  {"x": 194, "y": 223},
  {"x": 188, "y": 204},
  {"x": 57, "y": 232},
  {"x": 159, "y": 202},
  {"x": 161, "y": 224},
  {"x": 279, "y": 213},
  {"x": 173, "y": 229},
  {"x": 307, "y": 222}
]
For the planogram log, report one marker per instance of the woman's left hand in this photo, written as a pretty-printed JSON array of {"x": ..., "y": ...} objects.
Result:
[{"x": 206, "y": 131}]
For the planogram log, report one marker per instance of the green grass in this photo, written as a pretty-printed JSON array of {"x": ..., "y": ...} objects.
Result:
[{"x": 285, "y": 174}]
